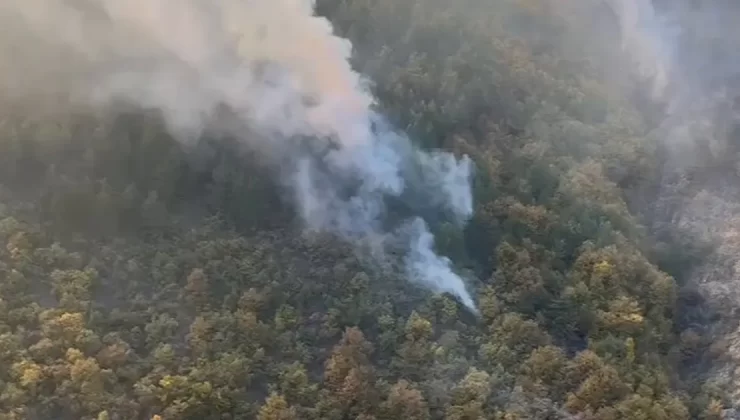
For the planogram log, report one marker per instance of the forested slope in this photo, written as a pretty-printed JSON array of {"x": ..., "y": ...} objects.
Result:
[{"x": 142, "y": 279}]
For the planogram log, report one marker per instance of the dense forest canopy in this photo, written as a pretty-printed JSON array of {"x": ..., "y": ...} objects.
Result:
[{"x": 560, "y": 241}]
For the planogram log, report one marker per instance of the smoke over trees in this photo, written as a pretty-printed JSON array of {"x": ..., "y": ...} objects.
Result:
[{"x": 366, "y": 209}]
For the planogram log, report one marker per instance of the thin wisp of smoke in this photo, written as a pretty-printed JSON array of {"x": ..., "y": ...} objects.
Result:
[{"x": 280, "y": 70}]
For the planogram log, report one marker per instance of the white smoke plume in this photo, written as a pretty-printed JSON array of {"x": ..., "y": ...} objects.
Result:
[
  {"x": 279, "y": 69},
  {"x": 644, "y": 37}
]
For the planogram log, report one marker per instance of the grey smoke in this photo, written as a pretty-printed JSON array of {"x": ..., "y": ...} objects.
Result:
[
  {"x": 692, "y": 55},
  {"x": 422, "y": 261},
  {"x": 279, "y": 69}
]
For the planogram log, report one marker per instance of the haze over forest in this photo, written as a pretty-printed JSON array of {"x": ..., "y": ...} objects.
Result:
[{"x": 369, "y": 209}]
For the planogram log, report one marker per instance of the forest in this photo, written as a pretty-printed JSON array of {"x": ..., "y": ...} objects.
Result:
[{"x": 142, "y": 278}]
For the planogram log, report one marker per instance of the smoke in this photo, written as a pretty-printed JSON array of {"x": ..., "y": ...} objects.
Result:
[
  {"x": 643, "y": 37},
  {"x": 686, "y": 49},
  {"x": 276, "y": 67},
  {"x": 690, "y": 51}
]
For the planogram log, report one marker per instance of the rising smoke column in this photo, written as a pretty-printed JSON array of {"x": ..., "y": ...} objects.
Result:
[
  {"x": 642, "y": 38},
  {"x": 281, "y": 71}
]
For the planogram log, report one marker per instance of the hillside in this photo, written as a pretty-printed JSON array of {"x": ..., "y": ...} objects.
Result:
[{"x": 147, "y": 277}]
